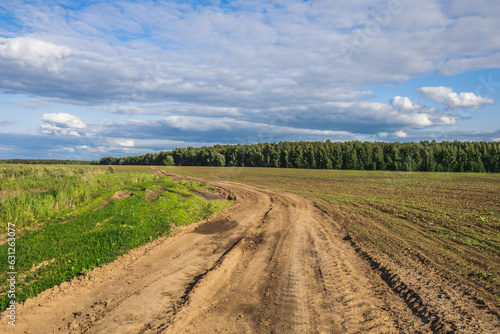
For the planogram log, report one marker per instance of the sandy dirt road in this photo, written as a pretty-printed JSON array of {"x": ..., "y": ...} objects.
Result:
[{"x": 272, "y": 263}]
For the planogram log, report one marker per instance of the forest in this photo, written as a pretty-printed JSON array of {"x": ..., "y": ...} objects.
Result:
[{"x": 355, "y": 155}]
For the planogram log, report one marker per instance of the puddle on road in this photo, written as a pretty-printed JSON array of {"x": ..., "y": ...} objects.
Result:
[
  {"x": 209, "y": 196},
  {"x": 215, "y": 226}
]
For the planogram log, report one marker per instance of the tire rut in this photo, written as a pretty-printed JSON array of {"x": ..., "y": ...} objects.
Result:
[{"x": 272, "y": 263}]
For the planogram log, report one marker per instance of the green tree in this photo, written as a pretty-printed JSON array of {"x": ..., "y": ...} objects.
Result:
[{"x": 168, "y": 161}]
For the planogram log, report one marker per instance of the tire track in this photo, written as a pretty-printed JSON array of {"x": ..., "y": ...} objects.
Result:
[{"x": 278, "y": 265}]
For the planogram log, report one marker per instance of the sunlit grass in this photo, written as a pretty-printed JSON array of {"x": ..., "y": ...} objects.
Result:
[
  {"x": 31, "y": 195},
  {"x": 99, "y": 229}
]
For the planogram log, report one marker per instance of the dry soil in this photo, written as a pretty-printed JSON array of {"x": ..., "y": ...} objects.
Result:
[{"x": 272, "y": 263}]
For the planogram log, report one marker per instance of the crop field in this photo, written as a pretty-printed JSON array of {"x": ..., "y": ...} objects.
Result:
[
  {"x": 71, "y": 219},
  {"x": 447, "y": 222}
]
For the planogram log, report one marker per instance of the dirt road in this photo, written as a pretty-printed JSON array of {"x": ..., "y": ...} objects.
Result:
[{"x": 272, "y": 263}]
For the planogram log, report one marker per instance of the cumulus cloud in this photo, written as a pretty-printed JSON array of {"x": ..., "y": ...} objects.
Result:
[
  {"x": 51, "y": 129},
  {"x": 404, "y": 104},
  {"x": 62, "y": 124},
  {"x": 33, "y": 53},
  {"x": 363, "y": 116},
  {"x": 453, "y": 100},
  {"x": 400, "y": 134},
  {"x": 447, "y": 120},
  {"x": 64, "y": 120},
  {"x": 121, "y": 142}
]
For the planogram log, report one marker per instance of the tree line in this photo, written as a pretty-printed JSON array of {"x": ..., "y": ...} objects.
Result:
[{"x": 424, "y": 156}]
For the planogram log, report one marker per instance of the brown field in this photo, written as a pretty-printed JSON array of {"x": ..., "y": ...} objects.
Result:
[
  {"x": 449, "y": 222},
  {"x": 303, "y": 251}
]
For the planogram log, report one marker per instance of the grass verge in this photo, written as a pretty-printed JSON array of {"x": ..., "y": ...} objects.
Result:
[{"x": 101, "y": 230}]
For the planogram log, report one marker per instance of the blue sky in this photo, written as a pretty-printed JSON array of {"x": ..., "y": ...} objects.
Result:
[{"x": 87, "y": 79}]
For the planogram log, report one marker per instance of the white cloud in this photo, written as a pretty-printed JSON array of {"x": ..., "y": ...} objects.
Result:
[
  {"x": 65, "y": 149},
  {"x": 31, "y": 52},
  {"x": 125, "y": 143},
  {"x": 64, "y": 120},
  {"x": 404, "y": 104},
  {"x": 418, "y": 120},
  {"x": 461, "y": 65},
  {"x": 62, "y": 124},
  {"x": 446, "y": 120},
  {"x": 374, "y": 113},
  {"x": 452, "y": 100},
  {"x": 400, "y": 134}
]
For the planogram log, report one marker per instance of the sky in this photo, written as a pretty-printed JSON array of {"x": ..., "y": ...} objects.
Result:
[{"x": 88, "y": 79}]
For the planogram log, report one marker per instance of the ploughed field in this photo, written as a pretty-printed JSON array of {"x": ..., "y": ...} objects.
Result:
[
  {"x": 299, "y": 251},
  {"x": 444, "y": 224}
]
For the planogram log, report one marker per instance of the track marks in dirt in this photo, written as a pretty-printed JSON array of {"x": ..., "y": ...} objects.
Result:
[
  {"x": 442, "y": 305},
  {"x": 272, "y": 263},
  {"x": 272, "y": 281}
]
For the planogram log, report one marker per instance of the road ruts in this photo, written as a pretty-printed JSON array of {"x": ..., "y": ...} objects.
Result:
[{"x": 272, "y": 263}]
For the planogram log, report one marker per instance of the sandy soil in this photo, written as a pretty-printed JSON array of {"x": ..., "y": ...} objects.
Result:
[{"x": 272, "y": 263}]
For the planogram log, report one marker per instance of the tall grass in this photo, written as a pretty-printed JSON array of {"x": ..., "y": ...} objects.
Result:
[
  {"x": 58, "y": 252},
  {"x": 31, "y": 195}
]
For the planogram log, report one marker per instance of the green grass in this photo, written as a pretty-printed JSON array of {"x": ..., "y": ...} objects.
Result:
[
  {"x": 99, "y": 230},
  {"x": 451, "y": 220},
  {"x": 31, "y": 195}
]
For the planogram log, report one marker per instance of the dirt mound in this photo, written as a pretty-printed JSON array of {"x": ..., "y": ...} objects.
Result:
[
  {"x": 117, "y": 195},
  {"x": 152, "y": 194}
]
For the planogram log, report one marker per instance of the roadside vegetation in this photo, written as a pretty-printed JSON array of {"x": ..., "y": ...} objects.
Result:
[
  {"x": 69, "y": 220},
  {"x": 33, "y": 195},
  {"x": 450, "y": 222}
]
